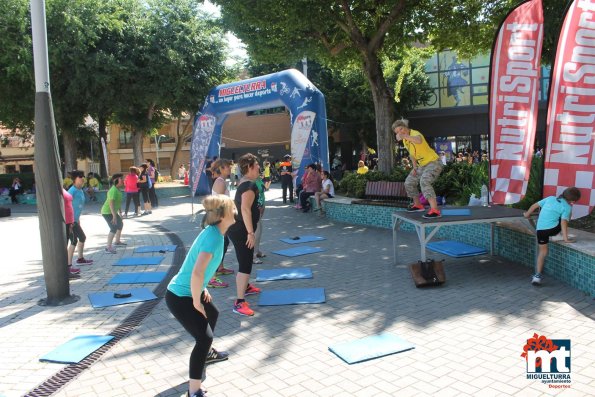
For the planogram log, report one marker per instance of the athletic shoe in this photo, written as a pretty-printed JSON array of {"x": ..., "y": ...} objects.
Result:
[
  {"x": 145, "y": 213},
  {"x": 216, "y": 283},
  {"x": 243, "y": 308},
  {"x": 432, "y": 213},
  {"x": 111, "y": 251},
  {"x": 257, "y": 261},
  {"x": 252, "y": 290},
  {"x": 415, "y": 208},
  {"x": 73, "y": 270},
  {"x": 224, "y": 272},
  {"x": 120, "y": 244},
  {"x": 125, "y": 216},
  {"x": 200, "y": 393},
  {"x": 537, "y": 278},
  {"x": 83, "y": 261},
  {"x": 215, "y": 356},
  {"x": 72, "y": 276}
]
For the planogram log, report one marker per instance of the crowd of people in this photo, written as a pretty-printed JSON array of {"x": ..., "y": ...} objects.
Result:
[{"x": 239, "y": 221}]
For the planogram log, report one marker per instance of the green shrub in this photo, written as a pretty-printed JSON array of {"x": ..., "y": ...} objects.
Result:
[
  {"x": 535, "y": 186},
  {"x": 354, "y": 185},
  {"x": 458, "y": 181}
]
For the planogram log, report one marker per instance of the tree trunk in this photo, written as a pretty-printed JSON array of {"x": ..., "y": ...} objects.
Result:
[
  {"x": 383, "y": 107},
  {"x": 181, "y": 138},
  {"x": 102, "y": 127},
  {"x": 137, "y": 146},
  {"x": 69, "y": 143}
]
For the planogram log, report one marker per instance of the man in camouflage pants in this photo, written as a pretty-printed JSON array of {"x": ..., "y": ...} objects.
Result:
[{"x": 426, "y": 168}]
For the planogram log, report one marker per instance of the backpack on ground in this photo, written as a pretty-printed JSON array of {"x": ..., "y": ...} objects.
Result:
[{"x": 428, "y": 274}]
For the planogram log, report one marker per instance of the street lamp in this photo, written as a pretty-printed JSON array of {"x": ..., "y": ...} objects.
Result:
[{"x": 157, "y": 139}]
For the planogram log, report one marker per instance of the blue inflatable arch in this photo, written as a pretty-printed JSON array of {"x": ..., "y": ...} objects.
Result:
[{"x": 289, "y": 88}]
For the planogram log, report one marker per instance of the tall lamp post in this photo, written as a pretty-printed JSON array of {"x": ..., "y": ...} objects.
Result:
[{"x": 157, "y": 139}]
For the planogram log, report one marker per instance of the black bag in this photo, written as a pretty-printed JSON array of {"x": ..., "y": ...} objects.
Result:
[
  {"x": 156, "y": 176},
  {"x": 4, "y": 211},
  {"x": 428, "y": 274}
]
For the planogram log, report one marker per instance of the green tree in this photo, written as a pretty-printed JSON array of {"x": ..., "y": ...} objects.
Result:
[
  {"x": 176, "y": 54},
  {"x": 362, "y": 33},
  {"x": 16, "y": 71},
  {"x": 144, "y": 61}
]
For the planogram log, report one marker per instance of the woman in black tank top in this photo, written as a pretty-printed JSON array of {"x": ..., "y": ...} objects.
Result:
[{"x": 241, "y": 233}]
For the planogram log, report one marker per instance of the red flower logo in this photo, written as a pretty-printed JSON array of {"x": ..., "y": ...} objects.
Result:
[{"x": 536, "y": 344}]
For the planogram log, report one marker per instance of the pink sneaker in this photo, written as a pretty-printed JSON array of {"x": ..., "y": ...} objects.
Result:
[
  {"x": 216, "y": 283},
  {"x": 73, "y": 270},
  {"x": 224, "y": 272},
  {"x": 83, "y": 261},
  {"x": 252, "y": 290}
]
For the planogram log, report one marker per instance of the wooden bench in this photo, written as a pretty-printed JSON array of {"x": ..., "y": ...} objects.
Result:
[
  {"x": 385, "y": 193},
  {"x": 384, "y": 190}
]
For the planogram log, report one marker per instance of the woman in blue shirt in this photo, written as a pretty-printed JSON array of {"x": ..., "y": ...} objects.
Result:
[
  {"x": 187, "y": 296},
  {"x": 553, "y": 218}
]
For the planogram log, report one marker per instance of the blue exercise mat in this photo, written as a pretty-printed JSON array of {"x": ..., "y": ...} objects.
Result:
[
  {"x": 302, "y": 239},
  {"x": 137, "y": 278},
  {"x": 105, "y": 299},
  {"x": 297, "y": 251},
  {"x": 455, "y": 248},
  {"x": 291, "y": 297},
  {"x": 371, "y": 347},
  {"x": 283, "y": 274},
  {"x": 155, "y": 248},
  {"x": 76, "y": 349},
  {"x": 136, "y": 261},
  {"x": 456, "y": 211}
]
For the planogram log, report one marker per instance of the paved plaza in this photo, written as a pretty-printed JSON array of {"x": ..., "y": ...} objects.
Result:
[{"x": 468, "y": 334}]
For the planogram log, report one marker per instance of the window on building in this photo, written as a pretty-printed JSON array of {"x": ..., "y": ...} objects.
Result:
[
  {"x": 26, "y": 168},
  {"x": 125, "y": 165},
  {"x": 457, "y": 82},
  {"x": 125, "y": 141}
]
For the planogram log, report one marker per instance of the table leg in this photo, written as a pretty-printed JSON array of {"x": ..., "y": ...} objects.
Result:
[
  {"x": 422, "y": 242},
  {"x": 396, "y": 226}
]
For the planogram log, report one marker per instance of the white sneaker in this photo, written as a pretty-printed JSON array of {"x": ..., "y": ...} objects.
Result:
[{"x": 537, "y": 278}]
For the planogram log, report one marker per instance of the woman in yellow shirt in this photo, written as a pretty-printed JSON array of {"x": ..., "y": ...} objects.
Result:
[
  {"x": 266, "y": 175},
  {"x": 426, "y": 168},
  {"x": 362, "y": 168}
]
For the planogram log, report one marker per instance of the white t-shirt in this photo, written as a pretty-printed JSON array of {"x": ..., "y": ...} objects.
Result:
[
  {"x": 226, "y": 188},
  {"x": 325, "y": 185}
]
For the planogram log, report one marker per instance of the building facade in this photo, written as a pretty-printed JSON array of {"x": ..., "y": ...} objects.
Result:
[{"x": 456, "y": 118}]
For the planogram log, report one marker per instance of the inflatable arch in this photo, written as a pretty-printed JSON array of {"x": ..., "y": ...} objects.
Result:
[{"x": 309, "y": 138}]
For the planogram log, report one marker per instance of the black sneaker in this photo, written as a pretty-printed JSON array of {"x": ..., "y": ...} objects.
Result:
[
  {"x": 199, "y": 393},
  {"x": 415, "y": 208},
  {"x": 214, "y": 356},
  {"x": 432, "y": 213}
]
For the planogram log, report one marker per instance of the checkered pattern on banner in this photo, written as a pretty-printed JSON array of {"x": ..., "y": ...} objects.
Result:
[
  {"x": 510, "y": 184},
  {"x": 555, "y": 181}
]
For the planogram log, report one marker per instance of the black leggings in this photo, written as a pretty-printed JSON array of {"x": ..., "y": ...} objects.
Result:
[
  {"x": 153, "y": 196},
  {"x": 134, "y": 196},
  {"x": 244, "y": 254},
  {"x": 225, "y": 246},
  {"x": 199, "y": 327}
]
